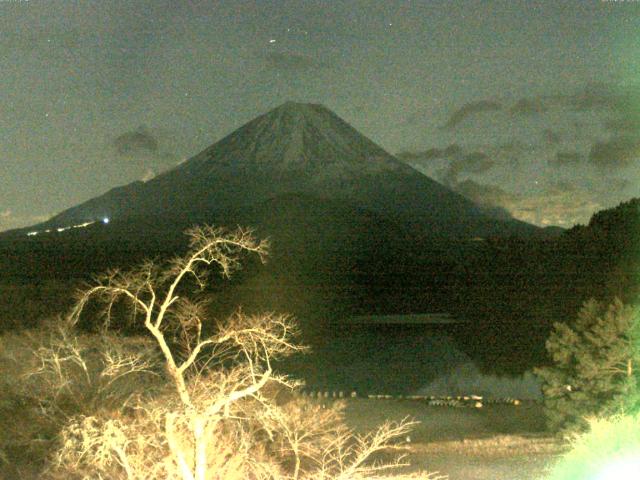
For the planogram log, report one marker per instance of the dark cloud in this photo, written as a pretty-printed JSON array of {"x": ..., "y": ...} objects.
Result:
[
  {"x": 551, "y": 137},
  {"x": 589, "y": 97},
  {"x": 136, "y": 142},
  {"x": 593, "y": 96},
  {"x": 453, "y": 150},
  {"x": 471, "y": 109},
  {"x": 567, "y": 158},
  {"x": 143, "y": 154},
  {"x": 473, "y": 163},
  {"x": 528, "y": 106},
  {"x": 459, "y": 162},
  {"x": 513, "y": 147},
  {"x": 617, "y": 152},
  {"x": 597, "y": 96},
  {"x": 420, "y": 157},
  {"x": 289, "y": 61}
]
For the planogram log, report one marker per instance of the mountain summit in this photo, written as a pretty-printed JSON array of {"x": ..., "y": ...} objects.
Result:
[
  {"x": 301, "y": 150},
  {"x": 296, "y": 137}
]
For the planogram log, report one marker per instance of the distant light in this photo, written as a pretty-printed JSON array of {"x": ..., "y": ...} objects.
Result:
[
  {"x": 273, "y": 40},
  {"x": 31, "y": 234},
  {"x": 105, "y": 220}
]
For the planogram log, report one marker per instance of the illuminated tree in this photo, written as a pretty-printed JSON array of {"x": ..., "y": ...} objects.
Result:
[
  {"x": 608, "y": 451},
  {"x": 596, "y": 365},
  {"x": 224, "y": 412}
]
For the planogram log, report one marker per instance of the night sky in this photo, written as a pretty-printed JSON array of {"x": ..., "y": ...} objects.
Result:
[{"x": 529, "y": 106}]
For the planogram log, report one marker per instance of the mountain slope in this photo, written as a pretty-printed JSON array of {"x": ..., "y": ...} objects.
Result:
[{"x": 295, "y": 149}]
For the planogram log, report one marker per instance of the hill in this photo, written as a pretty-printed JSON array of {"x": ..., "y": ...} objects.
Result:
[{"x": 512, "y": 291}]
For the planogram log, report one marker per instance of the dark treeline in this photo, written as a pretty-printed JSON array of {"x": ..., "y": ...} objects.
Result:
[
  {"x": 343, "y": 261},
  {"x": 513, "y": 291}
]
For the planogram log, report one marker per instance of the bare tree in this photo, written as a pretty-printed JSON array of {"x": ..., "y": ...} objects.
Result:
[{"x": 220, "y": 416}]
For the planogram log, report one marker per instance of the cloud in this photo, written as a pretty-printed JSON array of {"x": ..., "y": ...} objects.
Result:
[
  {"x": 136, "y": 142},
  {"x": 551, "y": 137},
  {"x": 470, "y": 109},
  {"x": 142, "y": 154},
  {"x": 475, "y": 162},
  {"x": 597, "y": 96},
  {"x": 567, "y": 158},
  {"x": 617, "y": 152},
  {"x": 451, "y": 151},
  {"x": 592, "y": 96},
  {"x": 562, "y": 203},
  {"x": 459, "y": 163},
  {"x": 287, "y": 61},
  {"x": 471, "y": 163},
  {"x": 420, "y": 157},
  {"x": 528, "y": 106},
  {"x": 512, "y": 150}
]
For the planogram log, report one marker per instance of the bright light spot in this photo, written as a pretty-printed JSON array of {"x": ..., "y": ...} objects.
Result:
[
  {"x": 273, "y": 40},
  {"x": 31, "y": 234},
  {"x": 62, "y": 229},
  {"x": 624, "y": 469},
  {"x": 105, "y": 220}
]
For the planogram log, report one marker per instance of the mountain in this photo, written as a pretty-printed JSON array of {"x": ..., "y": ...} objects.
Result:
[
  {"x": 352, "y": 228},
  {"x": 295, "y": 149}
]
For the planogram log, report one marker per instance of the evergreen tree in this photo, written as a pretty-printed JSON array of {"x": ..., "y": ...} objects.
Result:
[{"x": 596, "y": 366}]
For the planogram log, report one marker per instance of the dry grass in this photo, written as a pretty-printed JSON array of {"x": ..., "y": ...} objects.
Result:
[{"x": 496, "y": 442}]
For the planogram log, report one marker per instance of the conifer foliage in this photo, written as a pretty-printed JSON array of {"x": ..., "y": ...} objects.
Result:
[{"x": 596, "y": 366}]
